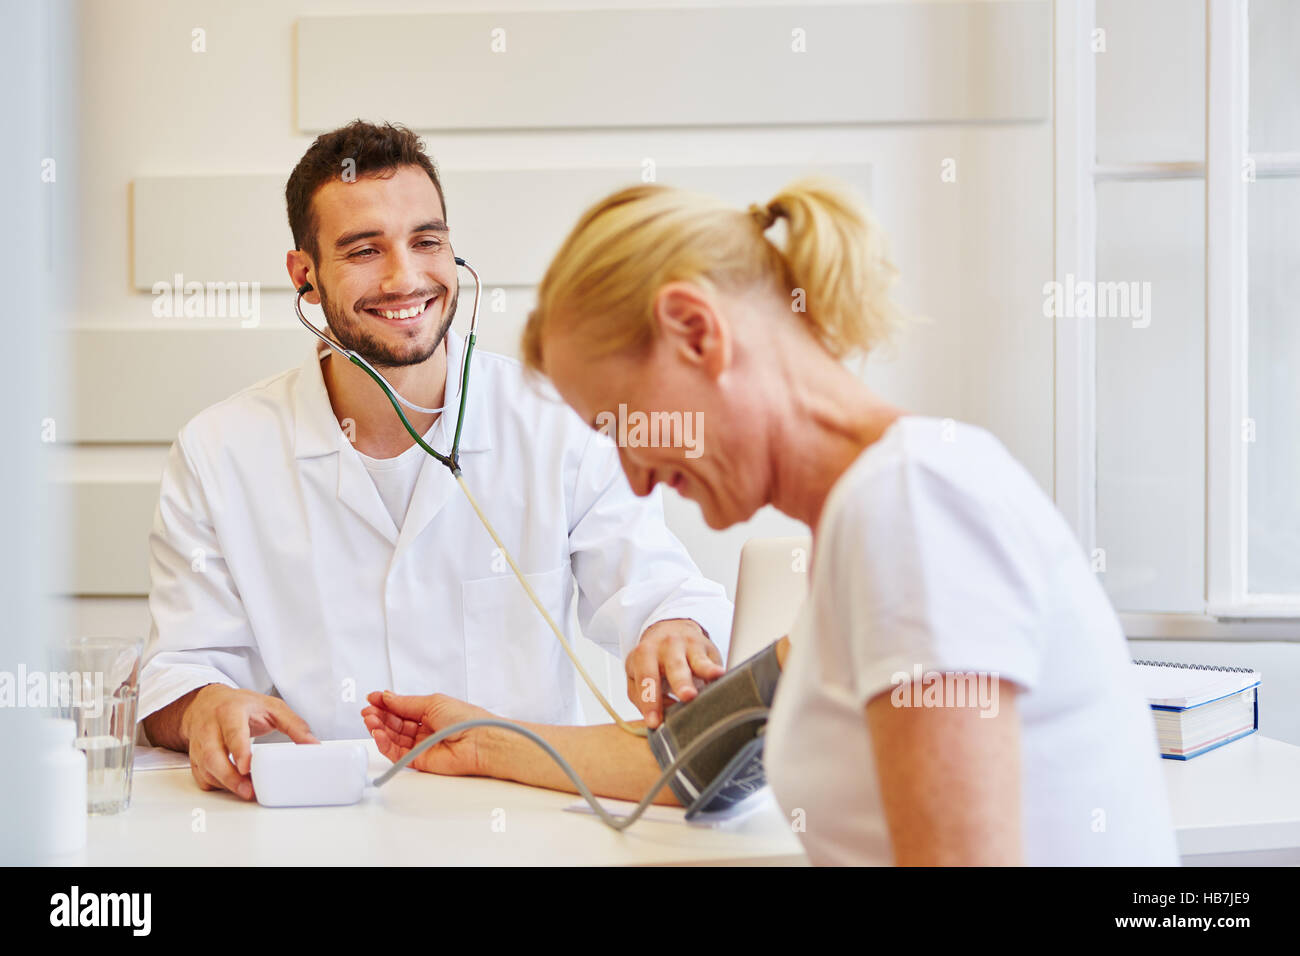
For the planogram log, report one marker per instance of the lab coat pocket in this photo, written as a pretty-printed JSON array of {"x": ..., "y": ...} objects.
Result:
[{"x": 514, "y": 665}]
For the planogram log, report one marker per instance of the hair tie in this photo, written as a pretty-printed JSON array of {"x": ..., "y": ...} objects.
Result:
[{"x": 762, "y": 215}]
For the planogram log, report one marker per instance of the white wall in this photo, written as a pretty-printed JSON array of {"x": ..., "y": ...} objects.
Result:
[{"x": 974, "y": 253}]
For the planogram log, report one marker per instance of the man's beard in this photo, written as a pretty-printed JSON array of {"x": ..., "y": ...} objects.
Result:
[{"x": 352, "y": 334}]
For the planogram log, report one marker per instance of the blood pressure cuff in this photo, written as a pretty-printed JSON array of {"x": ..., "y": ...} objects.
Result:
[{"x": 728, "y": 770}]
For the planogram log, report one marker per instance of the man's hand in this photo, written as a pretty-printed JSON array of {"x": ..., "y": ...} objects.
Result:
[
  {"x": 672, "y": 655},
  {"x": 220, "y": 722},
  {"x": 398, "y": 723}
]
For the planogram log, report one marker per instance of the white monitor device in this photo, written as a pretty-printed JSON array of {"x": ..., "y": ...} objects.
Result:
[{"x": 770, "y": 588}]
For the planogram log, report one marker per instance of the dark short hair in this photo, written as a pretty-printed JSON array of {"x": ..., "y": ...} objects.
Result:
[{"x": 372, "y": 149}]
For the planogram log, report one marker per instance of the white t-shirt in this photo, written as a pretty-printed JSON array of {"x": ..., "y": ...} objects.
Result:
[
  {"x": 936, "y": 550},
  {"x": 395, "y": 478}
]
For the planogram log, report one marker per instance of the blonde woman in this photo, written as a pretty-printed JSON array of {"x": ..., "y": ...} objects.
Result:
[{"x": 957, "y": 688}]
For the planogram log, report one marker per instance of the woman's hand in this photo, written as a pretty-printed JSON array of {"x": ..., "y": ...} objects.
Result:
[{"x": 398, "y": 723}]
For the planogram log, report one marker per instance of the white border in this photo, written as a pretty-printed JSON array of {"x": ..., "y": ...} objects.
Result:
[
  {"x": 1269, "y": 165},
  {"x": 1136, "y": 172},
  {"x": 1202, "y": 627},
  {"x": 1074, "y": 214},
  {"x": 1225, "y": 305}
]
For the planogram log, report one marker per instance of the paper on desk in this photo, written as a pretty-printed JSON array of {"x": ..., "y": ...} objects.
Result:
[{"x": 158, "y": 758}]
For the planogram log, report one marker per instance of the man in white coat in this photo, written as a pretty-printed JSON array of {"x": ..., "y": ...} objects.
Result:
[{"x": 306, "y": 551}]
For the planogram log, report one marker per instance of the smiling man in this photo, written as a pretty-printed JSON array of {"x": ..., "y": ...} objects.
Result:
[{"x": 306, "y": 550}]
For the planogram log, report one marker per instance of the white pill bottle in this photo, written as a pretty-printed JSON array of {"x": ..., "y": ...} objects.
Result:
[{"x": 65, "y": 767}]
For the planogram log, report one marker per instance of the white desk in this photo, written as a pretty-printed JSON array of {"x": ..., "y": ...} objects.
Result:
[
  {"x": 416, "y": 819},
  {"x": 1236, "y": 805},
  {"x": 1239, "y": 804}
]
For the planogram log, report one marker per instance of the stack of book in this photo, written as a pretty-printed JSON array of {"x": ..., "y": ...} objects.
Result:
[{"x": 1199, "y": 707}]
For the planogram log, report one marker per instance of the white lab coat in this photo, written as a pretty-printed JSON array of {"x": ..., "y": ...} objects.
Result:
[{"x": 276, "y": 567}]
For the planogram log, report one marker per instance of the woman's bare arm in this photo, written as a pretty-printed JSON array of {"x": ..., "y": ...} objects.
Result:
[
  {"x": 612, "y": 762},
  {"x": 950, "y": 780}
]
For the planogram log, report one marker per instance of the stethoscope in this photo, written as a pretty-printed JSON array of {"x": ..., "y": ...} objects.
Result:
[{"x": 452, "y": 460}]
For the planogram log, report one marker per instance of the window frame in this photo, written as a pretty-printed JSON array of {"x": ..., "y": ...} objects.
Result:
[{"x": 1230, "y": 611}]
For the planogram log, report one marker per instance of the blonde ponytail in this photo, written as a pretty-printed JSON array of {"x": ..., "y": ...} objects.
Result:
[
  {"x": 839, "y": 258},
  {"x": 833, "y": 266}
]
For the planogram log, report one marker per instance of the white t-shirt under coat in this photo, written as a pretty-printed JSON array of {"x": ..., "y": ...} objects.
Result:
[{"x": 395, "y": 477}]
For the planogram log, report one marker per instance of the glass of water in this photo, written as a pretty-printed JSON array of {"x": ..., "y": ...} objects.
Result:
[{"x": 96, "y": 685}]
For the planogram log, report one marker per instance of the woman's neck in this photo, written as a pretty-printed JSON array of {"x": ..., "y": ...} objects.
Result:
[{"x": 831, "y": 418}]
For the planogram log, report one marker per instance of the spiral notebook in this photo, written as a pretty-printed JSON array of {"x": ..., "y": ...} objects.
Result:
[{"x": 1199, "y": 707}]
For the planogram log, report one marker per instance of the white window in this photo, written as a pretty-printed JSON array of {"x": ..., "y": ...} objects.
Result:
[{"x": 1178, "y": 369}]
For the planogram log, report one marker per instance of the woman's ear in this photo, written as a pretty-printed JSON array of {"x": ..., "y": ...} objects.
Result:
[{"x": 692, "y": 327}]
